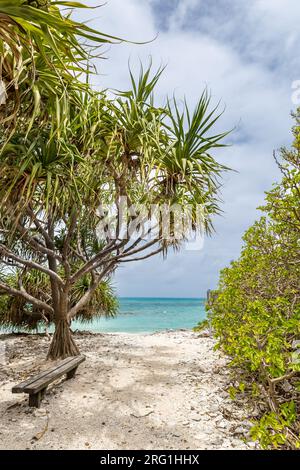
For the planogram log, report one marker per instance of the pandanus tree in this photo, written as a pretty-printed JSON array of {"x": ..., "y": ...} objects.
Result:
[
  {"x": 64, "y": 178},
  {"x": 42, "y": 63}
]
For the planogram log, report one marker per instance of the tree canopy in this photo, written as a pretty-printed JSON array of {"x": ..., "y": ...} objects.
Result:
[
  {"x": 44, "y": 57},
  {"x": 70, "y": 153}
]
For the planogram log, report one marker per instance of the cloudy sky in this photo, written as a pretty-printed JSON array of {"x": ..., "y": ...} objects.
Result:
[{"x": 247, "y": 54}]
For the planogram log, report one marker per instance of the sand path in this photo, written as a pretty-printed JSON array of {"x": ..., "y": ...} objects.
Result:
[{"x": 160, "y": 391}]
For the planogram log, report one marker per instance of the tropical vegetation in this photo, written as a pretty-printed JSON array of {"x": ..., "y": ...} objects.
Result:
[
  {"x": 255, "y": 312},
  {"x": 70, "y": 153}
]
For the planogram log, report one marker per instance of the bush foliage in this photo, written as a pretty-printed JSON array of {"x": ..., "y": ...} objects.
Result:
[{"x": 255, "y": 312}]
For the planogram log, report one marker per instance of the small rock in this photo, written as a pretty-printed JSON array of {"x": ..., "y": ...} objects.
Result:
[
  {"x": 218, "y": 441},
  {"x": 40, "y": 412},
  {"x": 211, "y": 414},
  {"x": 240, "y": 430},
  {"x": 222, "y": 424},
  {"x": 252, "y": 445},
  {"x": 254, "y": 413},
  {"x": 227, "y": 444},
  {"x": 204, "y": 334},
  {"x": 197, "y": 418}
]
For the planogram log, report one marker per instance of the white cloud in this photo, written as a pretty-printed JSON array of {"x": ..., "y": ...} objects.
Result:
[{"x": 246, "y": 54}]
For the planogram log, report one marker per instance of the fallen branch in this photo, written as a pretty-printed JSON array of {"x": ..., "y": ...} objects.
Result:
[
  {"x": 14, "y": 405},
  {"x": 39, "y": 435},
  {"x": 142, "y": 416}
]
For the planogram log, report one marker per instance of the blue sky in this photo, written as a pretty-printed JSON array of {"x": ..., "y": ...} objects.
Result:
[{"x": 247, "y": 54}]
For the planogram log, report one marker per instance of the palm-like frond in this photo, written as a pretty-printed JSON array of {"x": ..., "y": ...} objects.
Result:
[
  {"x": 95, "y": 149},
  {"x": 172, "y": 148},
  {"x": 42, "y": 57}
]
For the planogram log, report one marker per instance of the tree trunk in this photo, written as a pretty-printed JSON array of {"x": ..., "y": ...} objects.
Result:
[{"x": 62, "y": 345}]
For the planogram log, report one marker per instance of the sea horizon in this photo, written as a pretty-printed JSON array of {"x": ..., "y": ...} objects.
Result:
[
  {"x": 143, "y": 315},
  {"x": 150, "y": 314},
  {"x": 157, "y": 297}
]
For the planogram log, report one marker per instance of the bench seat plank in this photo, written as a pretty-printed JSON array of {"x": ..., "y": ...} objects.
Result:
[
  {"x": 36, "y": 386},
  {"x": 41, "y": 381},
  {"x": 20, "y": 387}
]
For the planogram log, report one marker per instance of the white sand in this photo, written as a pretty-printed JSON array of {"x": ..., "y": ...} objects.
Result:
[{"x": 160, "y": 391}]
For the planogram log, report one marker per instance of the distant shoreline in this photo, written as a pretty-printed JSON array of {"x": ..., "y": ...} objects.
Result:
[{"x": 87, "y": 333}]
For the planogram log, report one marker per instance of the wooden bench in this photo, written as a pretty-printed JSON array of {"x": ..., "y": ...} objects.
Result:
[{"x": 36, "y": 386}]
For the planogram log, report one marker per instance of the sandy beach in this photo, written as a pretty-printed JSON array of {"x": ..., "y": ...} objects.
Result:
[{"x": 134, "y": 391}]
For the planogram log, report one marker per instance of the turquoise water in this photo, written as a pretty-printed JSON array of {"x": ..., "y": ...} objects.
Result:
[
  {"x": 147, "y": 315},
  {"x": 141, "y": 314}
]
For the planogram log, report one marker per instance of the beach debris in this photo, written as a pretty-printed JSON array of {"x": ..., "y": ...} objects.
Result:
[
  {"x": 14, "y": 405},
  {"x": 39, "y": 435},
  {"x": 142, "y": 416}
]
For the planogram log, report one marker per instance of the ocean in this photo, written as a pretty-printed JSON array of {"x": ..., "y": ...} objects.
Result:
[{"x": 147, "y": 315}]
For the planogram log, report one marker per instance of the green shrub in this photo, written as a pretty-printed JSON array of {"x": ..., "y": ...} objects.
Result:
[
  {"x": 202, "y": 325},
  {"x": 255, "y": 312}
]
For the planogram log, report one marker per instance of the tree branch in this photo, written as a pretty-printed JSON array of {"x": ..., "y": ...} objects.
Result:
[
  {"x": 89, "y": 293},
  {"x": 159, "y": 250},
  {"x": 31, "y": 264},
  {"x": 95, "y": 260},
  {"x": 22, "y": 293},
  {"x": 38, "y": 225},
  {"x": 35, "y": 244}
]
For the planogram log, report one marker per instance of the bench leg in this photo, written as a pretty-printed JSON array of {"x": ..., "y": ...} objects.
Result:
[
  {"x": 71, "y": 373},
  {"x": 36, "y": 398}
]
